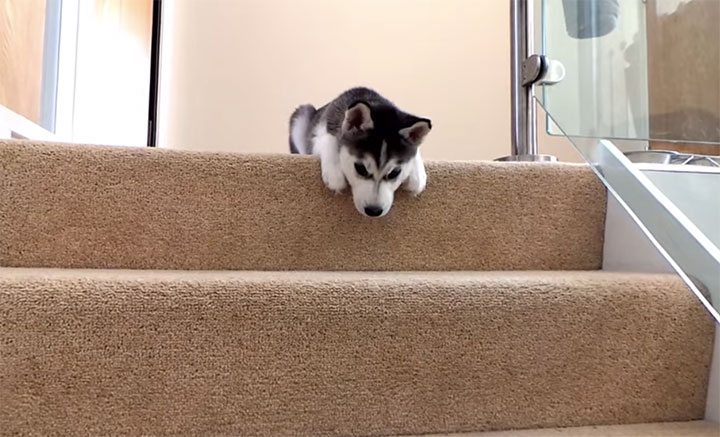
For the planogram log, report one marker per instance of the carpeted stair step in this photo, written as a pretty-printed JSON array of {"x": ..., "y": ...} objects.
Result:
[
  {"x": 105, "y": 207},
  {"x": 696, "y": 428},
  {"x": 118, "y": 352}
]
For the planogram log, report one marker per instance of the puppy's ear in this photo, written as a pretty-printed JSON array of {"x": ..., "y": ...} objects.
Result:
[
  {"x": 416, "y": 132},
  {"x": 357, "y": 119}
]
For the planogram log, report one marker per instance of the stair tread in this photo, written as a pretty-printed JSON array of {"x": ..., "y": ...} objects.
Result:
[
  {"x": 114, "y": 207},
  {"x": 569, "y": 283},
  {"x": 697, "y": 428},
  {"x": 438, "y": 277},
  {"x": 346, "y": 353}
]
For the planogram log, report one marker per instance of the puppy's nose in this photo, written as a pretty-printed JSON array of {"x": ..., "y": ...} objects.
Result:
[{"x": 373, "y": 211}]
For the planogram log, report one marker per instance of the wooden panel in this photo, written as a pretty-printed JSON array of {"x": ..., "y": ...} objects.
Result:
[
  {"x": 22, "y": 31},
  {"x": 684, "y": 73}
]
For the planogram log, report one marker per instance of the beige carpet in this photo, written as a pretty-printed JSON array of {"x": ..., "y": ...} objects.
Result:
[
  {"x": 310, "y": 353},
  {"x": 672, "y": 429},
  {"x": 194, "y": 351},
  {"x": 80, "y": 206}
]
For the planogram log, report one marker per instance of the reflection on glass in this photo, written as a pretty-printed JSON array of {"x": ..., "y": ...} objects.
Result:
[
  {"x": 645, "y": 70},
  {"x": 646, "y": 74},
  {"x": 682, "y": 227}
]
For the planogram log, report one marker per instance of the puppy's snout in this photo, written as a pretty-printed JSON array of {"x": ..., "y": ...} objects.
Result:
[{"x": 373, "y": 211}]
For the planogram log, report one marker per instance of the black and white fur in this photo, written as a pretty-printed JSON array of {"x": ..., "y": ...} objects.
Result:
[{"x": 365, "y": 141}]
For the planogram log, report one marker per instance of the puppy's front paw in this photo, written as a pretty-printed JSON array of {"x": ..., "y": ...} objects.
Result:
[
  {"x": 334, "y": 179},
  {"x": 417, "y": 181}
]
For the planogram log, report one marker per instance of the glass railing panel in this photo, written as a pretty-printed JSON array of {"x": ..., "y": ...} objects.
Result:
[
  {"x": 683, "y": 227},
  {"x": 636, "y": 70}
]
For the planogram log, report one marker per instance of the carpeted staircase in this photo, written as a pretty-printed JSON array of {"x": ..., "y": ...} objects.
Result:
[{"x": 154, "y": 292}]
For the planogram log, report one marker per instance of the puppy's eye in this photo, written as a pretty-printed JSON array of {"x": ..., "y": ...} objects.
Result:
[
  {"x": 361, "y": 170},
  {"x": 393, "y": 174}
]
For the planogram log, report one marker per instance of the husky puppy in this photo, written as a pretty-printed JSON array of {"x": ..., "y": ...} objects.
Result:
[{"x": 365, "y": 141}]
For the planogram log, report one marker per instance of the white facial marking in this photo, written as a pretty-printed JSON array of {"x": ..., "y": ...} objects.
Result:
[
  {"x": 383, "y": 154},
  {"x": 374, "y": 191}
]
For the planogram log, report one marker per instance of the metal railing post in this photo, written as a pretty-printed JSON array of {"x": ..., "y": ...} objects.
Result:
[{"x": 524, "y": 139}]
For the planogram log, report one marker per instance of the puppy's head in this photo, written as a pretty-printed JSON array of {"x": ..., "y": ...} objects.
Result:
[{"x": 377, "y": 146}]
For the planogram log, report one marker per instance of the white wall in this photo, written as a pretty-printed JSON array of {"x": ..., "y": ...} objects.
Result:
[
  {"x": 628, "y": 249},
  {"x": 712, "y": 406},
  {"x": 233, "y": 70},
  {"x": 696, "y": 191}
]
